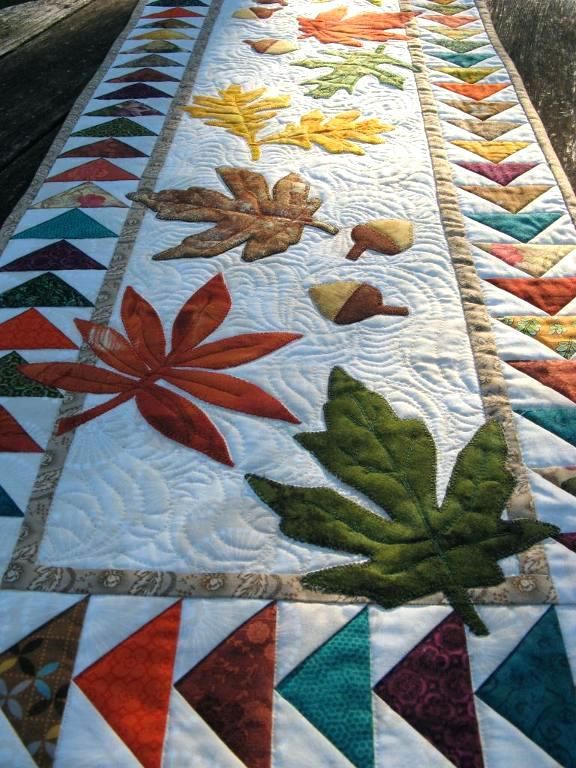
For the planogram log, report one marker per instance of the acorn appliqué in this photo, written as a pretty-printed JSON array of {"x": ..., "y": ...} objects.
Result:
[
  {"x": 350, "y": 302},
  {"x": 271, "y": 46},
  {"x": 387, "y": 236}
]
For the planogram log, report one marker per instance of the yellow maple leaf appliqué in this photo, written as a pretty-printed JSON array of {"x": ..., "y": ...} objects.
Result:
[{"x": 246, "y": 113}]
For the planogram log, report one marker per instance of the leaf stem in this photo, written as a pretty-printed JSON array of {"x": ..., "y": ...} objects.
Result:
[
  {"x": 71, "y": 422},
  {"x": 460, "y": 600},
  {"x": 324, "y": 226}
]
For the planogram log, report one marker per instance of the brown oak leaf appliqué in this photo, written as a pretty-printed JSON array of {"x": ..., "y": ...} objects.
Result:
[
  {"x": 267, "y": 223},
  {"x": 140, "y": 359}
]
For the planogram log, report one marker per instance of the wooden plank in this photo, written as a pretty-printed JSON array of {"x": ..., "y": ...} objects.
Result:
[
  {"x": 540, "y": 36},
  {"x": 24, "y": 21}
]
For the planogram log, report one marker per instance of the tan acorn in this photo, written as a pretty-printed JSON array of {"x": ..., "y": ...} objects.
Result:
[
  {"x": 350, "y": 302},
  {"x": 271, "y": 46},
  {"x": 255, "y": 14},
  {"x": 388, "y": 236}
]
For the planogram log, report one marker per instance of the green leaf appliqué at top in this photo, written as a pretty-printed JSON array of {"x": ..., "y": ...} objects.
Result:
[{"x": 421, "y": 547}]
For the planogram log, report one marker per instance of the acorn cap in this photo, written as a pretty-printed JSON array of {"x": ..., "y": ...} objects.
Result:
[
  {"x": 331, "y": 297},
  {"x": 387, "y": 236},
  {"x": 350, "y": 302},
  {"x": 272, "y": 46}
]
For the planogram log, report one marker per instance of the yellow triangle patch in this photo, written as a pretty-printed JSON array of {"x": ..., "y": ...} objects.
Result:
[
  {"x": 494, "y": 151},
  {"x": 470, "y": 74},
  {"x": 455, "y": 34},
  {"x": 512, "y": 199}
]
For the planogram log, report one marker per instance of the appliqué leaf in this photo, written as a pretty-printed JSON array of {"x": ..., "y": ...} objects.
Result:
[
  {"x": 332, "y": 27},
  {"x": 420, "y": 547},
  {"x": 267, "y": 223},
  {"x": 187, "y": 366},
  {"x": 351, "y": 68},
  {"x": 335, "y": 134}
]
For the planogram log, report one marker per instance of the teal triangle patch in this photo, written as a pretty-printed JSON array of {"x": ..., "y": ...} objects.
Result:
[
  {"x": 534, "y": 690},
  {"x": 462, "y": 59},
  {"x": 7, "y": 507},
  {"x": 332, "y": 689},
  {"x": 521, "y": 226},
  {"x": 46, "y": 290},
  {"x": 72, "y": 225},
  {"x": 15, "y": 384},
  {"x": 559, "y": 420}
]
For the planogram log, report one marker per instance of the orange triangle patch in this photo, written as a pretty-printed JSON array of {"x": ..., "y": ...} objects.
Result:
[
  {"x": 559, "y": 375},
  {"x": 13, "y": 438},
  {"x": 452, "y": 21},
  {"x": 130, "y": 686},
  {"x": 476, "y": 91},
  {"x": 512, "y": 199},
  {"x": 31, "y": 330},
  {"x": 550, "y": 294}
]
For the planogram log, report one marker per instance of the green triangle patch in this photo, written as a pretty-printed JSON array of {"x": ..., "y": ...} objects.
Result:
[
  {"x": 332, "y": 689},
  {"x": 15, "y": 384},
  {"x": 47, "y": 290},
  {"x": 73, "y": 225},
  {"x": 120, "y": 127},
  {"x": 521, "y": 226},
  {"x": 459, "y": 46}
]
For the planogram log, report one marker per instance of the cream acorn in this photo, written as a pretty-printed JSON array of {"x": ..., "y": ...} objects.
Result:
[
  {"x": 254, "y": 13},
  {"x": 388, "y": 236},
  {"x": 350, "y": 302},
  {"x": 272, "y": 46}
]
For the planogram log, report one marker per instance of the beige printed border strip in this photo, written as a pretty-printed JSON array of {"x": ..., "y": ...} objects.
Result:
[{"x": 24, "y": 572}]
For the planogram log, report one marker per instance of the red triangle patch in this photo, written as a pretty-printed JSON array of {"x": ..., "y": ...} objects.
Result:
[
  {"x": 556, "y": 374},
  {"x": 105, "y": 148},
  {"x": 548, "y": 293},
  {"x": 173, "y": 13},
  {"x": 476, "y": 91},
  {"x": 31, "y": 330},
  {"x": 130, "y": 686},
  {"x": 95, "y": 170},
  {"x": 14, "y": 439},
  {"x": 238, "y": 677}
]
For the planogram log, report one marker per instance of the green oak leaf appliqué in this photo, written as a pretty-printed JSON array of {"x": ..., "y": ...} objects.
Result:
[
  {"x": 420, "y": 547},
  {"x": 348, "y": 68}
]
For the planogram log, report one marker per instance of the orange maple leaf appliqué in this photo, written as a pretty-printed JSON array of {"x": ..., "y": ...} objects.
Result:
[
  {"x": 140, "y": 359},
  {"x": 332, "y": 27}
]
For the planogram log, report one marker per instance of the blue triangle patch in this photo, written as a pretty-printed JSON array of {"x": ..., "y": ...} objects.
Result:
[
  {"x": 559, "y": 420},
  {"x": 332, "y": 689},
  {"x": 7, "y": 506},
  {"x": 462, "y": 59},
  {"x": 534, "y": 690},
  {"x": 521, "y": 226},
  {"x": 72, "y": 225}
]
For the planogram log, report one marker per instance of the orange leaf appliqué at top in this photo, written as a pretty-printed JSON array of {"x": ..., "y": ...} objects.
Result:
[
  {"x": 140, "y": 359},
  {"x": 332, "y": 27}
]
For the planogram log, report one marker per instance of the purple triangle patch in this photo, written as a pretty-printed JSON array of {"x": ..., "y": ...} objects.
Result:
[
  {"x": 431, "y": 688},
  {"x": 56, "y": 256},
  {"x": 501, "y": 173},
  {"x": 568, "y": 539},
  {"x": 136, "y": 91}
]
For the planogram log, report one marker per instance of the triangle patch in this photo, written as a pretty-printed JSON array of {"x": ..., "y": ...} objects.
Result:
[
  {"x": 74, "y": 224},
  {"x": 119, "y": 127},
  {"x": 563, "y": 477},
  {"x": 481, "y": 111},
  {"x": 568, "y": 540},
  {"x": 87, "y": 195},
  {"x": 94, "y": 170},
  {"x": 489, "y": 131},
  {"x": 105, "y": 148},
  {"x": 31, "y": 330},
  {"x": 163, "y": 34},
  {"x": 550, "y": 294},
  {"x": 182, "y": 4},
  {"x": 456, "y": 34},
  {"x": 521, "y": 226},
  {"x": 558, "y": 420},
  {"x": 15, "y": 384},
  {"x": 468, "y": 75},
  {"x": 37, "y": 672},
  {"x": 238, "y": 676},
  {"x": 534, "y": 690},
  {"x": 460, "y": 46},
  {"x": 536, "y": 260},
  {"x": 46, "y": 290},
  {"x": 478, "y": 92},
  {"x": 169, "y": 24},
  {"x": 462, "y": 59},
  {"x": 513, "y": 199},
  {"x": 136, "y": 91},
  {"x": 494, "y": 151},
  {"x": 457, "y": 736},
  {"x": 130, "y": 685},
  {"x": 174, "y": 13},
  {"x": 447, "y": 9},
  {"x": 557, "y": 332},
  {"x": 13, "y": 438},
  {"x": 452, "y": 21},
  {"x": 332, "y": 689},
  {"x": 129, "y": 108},
  {"x": 151, "y": 60},
  {"x": 57, "y": 256},
  {"x": 156, "y": 46},
  {"x": 559, "y": 375},
  {"x": 501, "y": 173},
  {"x": 145, "y": 75},
  {"x": 7, "y": 506}
]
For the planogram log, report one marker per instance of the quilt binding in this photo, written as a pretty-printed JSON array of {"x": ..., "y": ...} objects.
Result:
[{"x": 533, "y": 585}]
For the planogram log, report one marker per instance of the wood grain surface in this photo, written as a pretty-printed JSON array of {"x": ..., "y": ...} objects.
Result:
[{"x": 23, "y": 21}]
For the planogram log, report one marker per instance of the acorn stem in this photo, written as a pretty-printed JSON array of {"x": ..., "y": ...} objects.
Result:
[
  {"x": 355, "y": 252},
  {"x": 388, "y": 309}
]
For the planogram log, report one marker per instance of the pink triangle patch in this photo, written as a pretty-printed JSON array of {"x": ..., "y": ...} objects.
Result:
[
  {"x": 501, "y": 173},
  {"x": 95, "y": 170}
]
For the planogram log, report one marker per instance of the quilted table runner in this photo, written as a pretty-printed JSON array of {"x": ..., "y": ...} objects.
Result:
[{"x": 287, "y": 403}]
